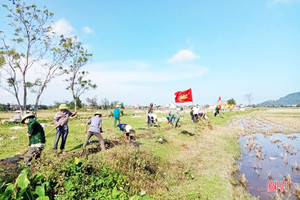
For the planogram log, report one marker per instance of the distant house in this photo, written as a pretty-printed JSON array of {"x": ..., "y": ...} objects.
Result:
[
  {"x": 14, "y": 107},
  {"x": 170, "y": 106},
  {"x": 226, "y": 105}
]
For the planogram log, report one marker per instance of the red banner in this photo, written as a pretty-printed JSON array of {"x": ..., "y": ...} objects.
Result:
[
  {"x": 184, "y": 96},
  {"x": 219, "y": 99}
]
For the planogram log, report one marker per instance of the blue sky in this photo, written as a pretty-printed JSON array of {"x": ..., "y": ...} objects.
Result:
[{"x": 145, "y": 51}]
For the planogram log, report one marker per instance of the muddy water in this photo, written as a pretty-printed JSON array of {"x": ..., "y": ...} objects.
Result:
[{"x": 270, "y": 158}]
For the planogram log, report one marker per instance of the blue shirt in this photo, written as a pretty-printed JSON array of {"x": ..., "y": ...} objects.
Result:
[
  {"x": 170, "y": 117},
  {"x": 94, "y": 123},
  {"x": 122, "y": 126},
  {"x": 117, "y": 112}
]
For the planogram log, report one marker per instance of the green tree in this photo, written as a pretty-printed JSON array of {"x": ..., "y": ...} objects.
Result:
[
  {"x": 76, "y": 81},
  {"x": 78, "y": 103},
  {"x": 231, "y": 101},
  {"x": 32, "y": 48}
]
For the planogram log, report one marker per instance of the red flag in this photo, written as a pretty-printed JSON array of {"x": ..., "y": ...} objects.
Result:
[
  {"x": 219, "y": 99},
  {"x": 184, "y": 96}
]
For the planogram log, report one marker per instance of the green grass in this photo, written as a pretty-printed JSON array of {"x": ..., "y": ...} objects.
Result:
[{"x": 207, "y": 150}]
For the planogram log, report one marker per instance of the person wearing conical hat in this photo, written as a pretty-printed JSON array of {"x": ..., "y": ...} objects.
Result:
[
  {"x": 117, "y": 115},
  {"x": 128, "y": 131},
  {"x": 36, "y": 136},
  {"x": 62, "y": 129},
  {"x": 95, "y": 129}
]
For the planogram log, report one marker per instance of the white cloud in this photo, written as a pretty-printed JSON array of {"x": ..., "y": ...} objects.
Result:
[
  {"x": 183, "y": 55},
  {"x": 128, "y": 81},
  {"x": 138, "y": 81},
  {"x": 62, "y": 27},
  {"x": 141, "y": 72},
  {"x": 87, "y": 30}
]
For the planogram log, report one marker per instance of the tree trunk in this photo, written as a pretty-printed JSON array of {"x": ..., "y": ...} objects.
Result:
[
  {"x": 75, "y": 104},
  {"x": 74, "y": 99},
  {"x": 17, "y": 97},
  {"x": 25, "y": 94},
  {"x": 38, "y": 98}
]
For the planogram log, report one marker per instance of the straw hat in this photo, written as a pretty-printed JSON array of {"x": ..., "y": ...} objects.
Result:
[
  {"x": 97, "y": 113},
  {"x": 62, "y": 106},
  {"x": 27, "y": 116}
]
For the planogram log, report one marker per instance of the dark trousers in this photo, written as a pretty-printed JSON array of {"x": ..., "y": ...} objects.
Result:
[
  {"x": 98, "y": 135},
  {"x": 217, "y": 112},
  {"x": 32, "y": 153},
  {"x": 150, "y": 119},
  {"x": 63, "y": 133},
  {"x": 195, "y": 118}
]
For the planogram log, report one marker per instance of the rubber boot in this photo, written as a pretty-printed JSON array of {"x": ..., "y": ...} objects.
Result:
[
  {"x": 62, "y": 152},
  {"x": 54, "y": 152}
]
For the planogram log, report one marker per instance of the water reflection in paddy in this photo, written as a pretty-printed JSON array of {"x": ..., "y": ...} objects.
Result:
[{"x": 270, "y": 158}]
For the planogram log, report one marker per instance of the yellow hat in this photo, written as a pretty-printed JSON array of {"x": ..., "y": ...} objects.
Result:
[
  {"x": 97, "y": 113},
  {"x": 62, "y": 106}
]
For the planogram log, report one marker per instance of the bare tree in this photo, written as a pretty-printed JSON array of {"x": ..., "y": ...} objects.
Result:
[
  {"x": 249, "y": 97},
  {"x": 76, "y": 78},
  {"x": 33, "y": 56},
  {"x": 113, "y": 104},
  {"x": 93, "y": 102},
  {"x": 105, "y": 103}
]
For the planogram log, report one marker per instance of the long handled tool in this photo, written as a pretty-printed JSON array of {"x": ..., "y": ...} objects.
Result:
[
  {"x": 58, "y": 125},
  {"x": 51, "y": 130}
]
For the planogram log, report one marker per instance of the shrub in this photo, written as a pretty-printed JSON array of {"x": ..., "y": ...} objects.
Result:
[
  {"x": 139, "y": 167},
  {"x": 26, "y": 187},
  {"x": 92, "y": 181}
]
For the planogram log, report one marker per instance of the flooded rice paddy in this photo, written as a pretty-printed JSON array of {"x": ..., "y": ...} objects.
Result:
[
  {"x": 270, "y": 158},
  {"x": 270, "y": 163}
]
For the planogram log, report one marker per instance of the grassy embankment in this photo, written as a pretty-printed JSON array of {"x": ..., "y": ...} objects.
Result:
[{"x": 197, "y": 161}]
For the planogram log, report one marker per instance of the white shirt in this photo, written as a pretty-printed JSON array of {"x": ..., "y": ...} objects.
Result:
[{"x": 196, "y": 110}]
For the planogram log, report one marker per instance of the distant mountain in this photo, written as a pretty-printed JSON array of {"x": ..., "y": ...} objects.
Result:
[{"x": 289, "y": 100}]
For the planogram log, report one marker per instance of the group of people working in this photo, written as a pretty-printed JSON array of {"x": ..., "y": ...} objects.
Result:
[
  {"x": 172, "y": 117},
  {"x": 37, "y": 137},
  {"x": 197, "y": 114}
]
